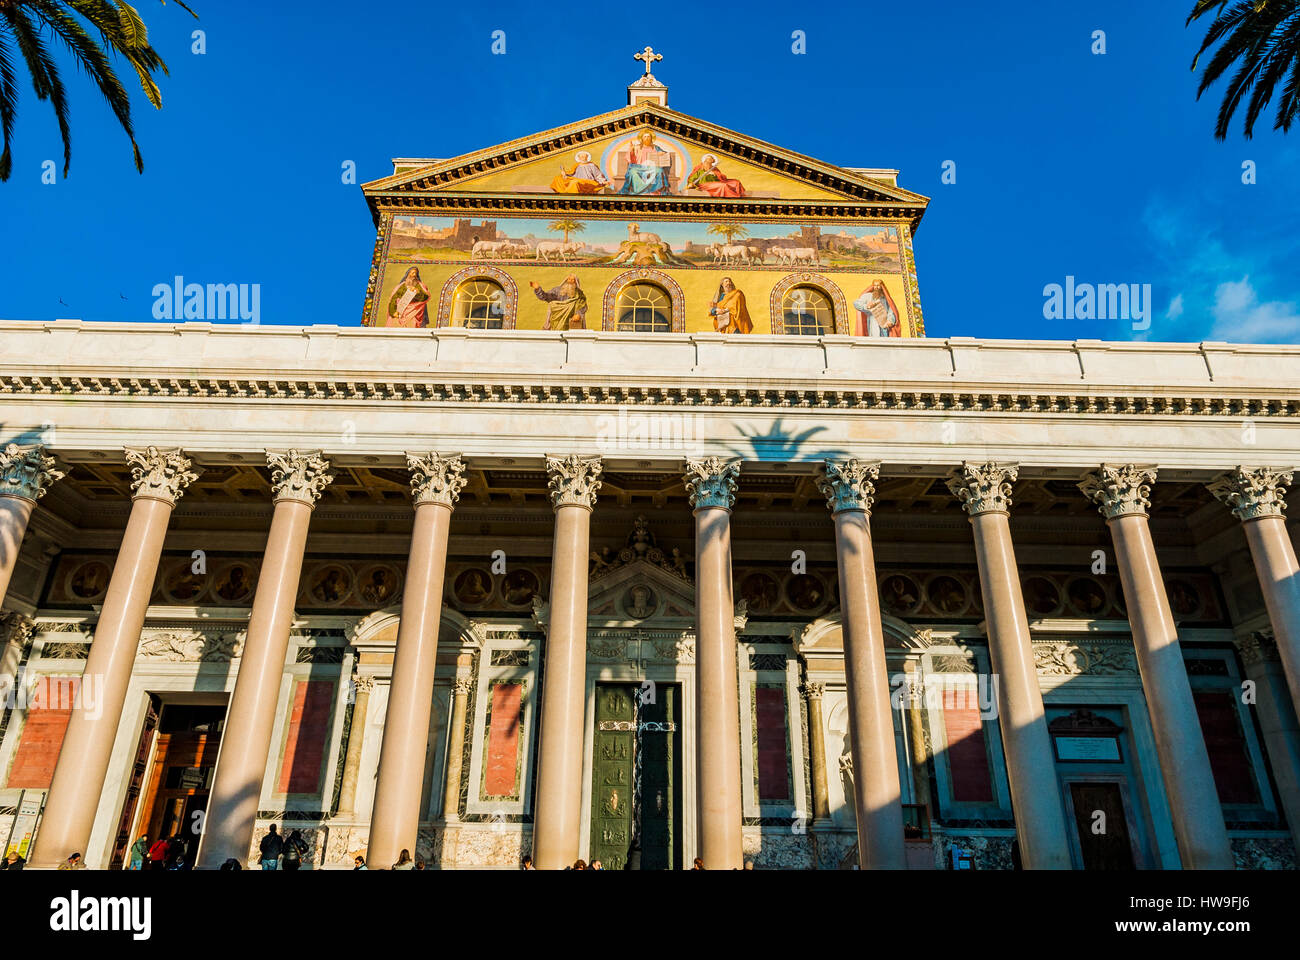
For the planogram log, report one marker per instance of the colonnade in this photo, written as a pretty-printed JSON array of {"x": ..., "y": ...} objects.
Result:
[{"x": 159, "y": 477}]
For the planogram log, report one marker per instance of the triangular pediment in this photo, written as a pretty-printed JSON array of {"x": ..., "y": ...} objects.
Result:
[
  {"x": 607, "y": 148},
  {"x": 638, "y": 591}
]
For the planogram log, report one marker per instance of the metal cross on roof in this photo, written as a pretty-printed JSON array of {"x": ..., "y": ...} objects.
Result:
[{"x": 649, "y": 56}]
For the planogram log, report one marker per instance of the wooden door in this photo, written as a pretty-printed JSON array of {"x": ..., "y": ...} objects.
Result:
[
  {"x": 179, "y": 785},
  {"x": 1103, "y": 827}
]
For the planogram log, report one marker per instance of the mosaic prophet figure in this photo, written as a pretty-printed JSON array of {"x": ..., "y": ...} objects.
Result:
[
  {"x": 582, "y": 176},
  {"x": 408, "y": 306},
  {"x": 877, "y": 315},
  {"x": 568, "y": 304},
  {"x": 730, "y": 315}
]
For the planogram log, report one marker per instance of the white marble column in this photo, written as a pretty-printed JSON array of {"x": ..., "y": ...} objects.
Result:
[
  {"x": 1121, "y": 493},
  {"x": 298, "y": 478},
  {"x": 1255, "y": 496},
  {"x": 711, "y": 484},
  {"x": 158, "y": 478},
  {"x": 395, "y": 820},
  {"x": 984, "y": 490},
  {"x": 25, "y": 474},
  {"x": 362, "y": 685},
  {"x": 557, "y": 820},
  {"x": 848, "y": 488}
]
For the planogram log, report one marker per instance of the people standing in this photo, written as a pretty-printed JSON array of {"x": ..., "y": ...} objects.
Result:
[
  {"x": 12, "y": 861},
  {"x": 139, "y": 853},
  {"x": 359, "y": 863},
  {"x": 73, "y": 862},
  {"x": 158, "y": 854},
  {"x": 295, "y": 848},
  {"x": 272, "y": 846},
  {"x": 404, "y": 861}
]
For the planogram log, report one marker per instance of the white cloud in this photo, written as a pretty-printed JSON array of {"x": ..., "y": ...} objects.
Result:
[
  {"x": 1239, "y": 317},
  {"x": 1175, "y": 308}
]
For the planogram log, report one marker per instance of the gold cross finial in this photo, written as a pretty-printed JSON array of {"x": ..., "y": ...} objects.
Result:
[{"x": 649, "y": 56}]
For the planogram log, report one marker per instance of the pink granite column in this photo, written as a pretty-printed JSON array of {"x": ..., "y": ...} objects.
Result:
[
  {"x": 711, "y": 484},
  {"x": 558, "y": 812},
  {"x": 848, "y": 488},
  {"x": 1121, "y": 494},
  {"x": 1255, "y": 496},
  {"x": 984, "y": 490},
  {"x": 558, "y": 808},
  {"x": 159, "y": 477},
  {"x": 25, "y": 474},
  {"x": 395, "y": 819},
  {"x": 297, "y": 479}
]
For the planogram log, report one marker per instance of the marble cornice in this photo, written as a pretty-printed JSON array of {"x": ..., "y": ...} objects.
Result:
[{"x": 597, "y": 390}]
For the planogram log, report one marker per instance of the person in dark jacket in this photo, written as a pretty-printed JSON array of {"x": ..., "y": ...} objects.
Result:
[
  {"x": 295, "y": 848},
  {"x": 13, "y": 862},
  {"x": 272, "y": 846}
]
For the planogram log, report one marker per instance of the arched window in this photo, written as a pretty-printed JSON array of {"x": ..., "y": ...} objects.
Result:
[
  {"x": 807, "y": 311},
  {"x": 644, "y": 307},
  {"x": 480, "y": 304}
]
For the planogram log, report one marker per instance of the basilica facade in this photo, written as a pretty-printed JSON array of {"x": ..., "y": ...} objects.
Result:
[{"x": 639, "y": 521}]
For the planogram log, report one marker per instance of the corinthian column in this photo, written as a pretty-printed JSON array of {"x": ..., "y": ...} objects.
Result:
[
  {"x": 817, "y": 750},
  {"x": 25, "y": 473},
  {"x": 158, "y": 478},
  {"x": 556, "y": 829},
  {"x": 1121, "y": 494},
  {"x": 848, "y": 488},
  {"x": 436, "y": 483},
  {"x": 297, "y": 479},
  {"x": 455, "y": 750},
  {"x": 1255, "y": 496},
  {"x": 356, "y": 740},
  {"x": 711, "y": 484},
  {"x": 984, "y": 490}
]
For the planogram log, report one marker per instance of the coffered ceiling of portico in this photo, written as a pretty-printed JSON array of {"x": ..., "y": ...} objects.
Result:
[{"x": 106, "y": 486}]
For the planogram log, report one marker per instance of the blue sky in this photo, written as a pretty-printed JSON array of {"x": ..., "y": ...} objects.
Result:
[{"x": 1068, "y": 163}]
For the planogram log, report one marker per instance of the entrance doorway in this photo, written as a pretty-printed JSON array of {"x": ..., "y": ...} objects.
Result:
[
  {"x": 175, "y": 785},
  {"x": 1102, "y": 825},
  {"x": 636, "y": 786}
]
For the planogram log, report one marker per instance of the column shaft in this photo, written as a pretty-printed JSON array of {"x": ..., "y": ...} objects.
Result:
[
  {"x": 250, "y": 719},
  {"x": 817, "y": 756},
  {"x": 14, "y": 514},
  {"x": 717, "y": 708},
  {"x": 356, "y": 740},
  {"x": 557, "y": 823},
  {"x": 877, "y": 799},
  {"x": 455, "y": 752},
  {"x": 395, "y": 820},
  {"x": 1184, "y": 762},
  {"x": 88, "y": 742},
  {"x": 1279, "y": 578},
  {"x": 1031, "y": 767},
  {"x": 1278, "y": 726}
]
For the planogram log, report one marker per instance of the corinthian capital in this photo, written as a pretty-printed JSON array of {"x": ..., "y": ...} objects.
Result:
[
  {"x": 299, "y": 476},
  {"x": 849, "y": 485},
  {"x": 25, "y": 472},
  {"x": 1253, "y": 492},
  {"x": 1119, "y": 490},
  {"x": 159, "y": 474},
  {"x": 573, "y": 480},
  {"x": 436, "y": 479},
  {"x": 983, "y": 487},
  {"x": 711, "y": 482}
]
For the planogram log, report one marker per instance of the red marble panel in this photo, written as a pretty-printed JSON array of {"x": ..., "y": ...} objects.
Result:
[
  {"x": 502, "y": 779},
  {"x": 304, "y": 748},
  {"x": 967, "y": 752},
  {"x": 48, "y": 714},
  {"x": 773, "y": 781}
]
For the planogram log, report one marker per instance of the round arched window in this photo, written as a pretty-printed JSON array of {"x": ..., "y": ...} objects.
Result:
[
  {"x": 807, "y": 311},
  {"x": 479, "y": 304},
  {"x": 644, "y": 307}
]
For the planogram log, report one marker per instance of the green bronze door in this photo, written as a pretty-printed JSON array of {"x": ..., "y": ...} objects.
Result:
[
  {"x": 626, "y": 730},
  {"x": 613, "y": 763},
  {"x": 661, "y": 782}
]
